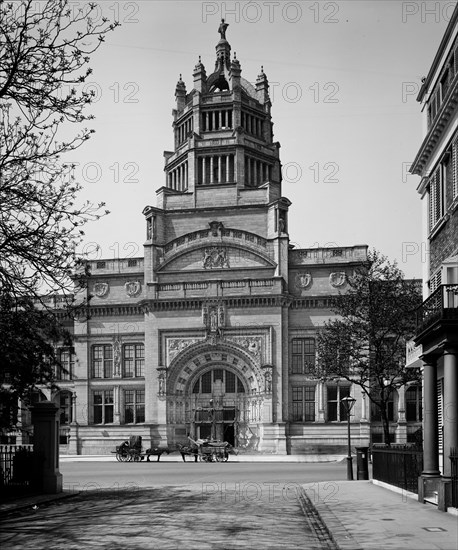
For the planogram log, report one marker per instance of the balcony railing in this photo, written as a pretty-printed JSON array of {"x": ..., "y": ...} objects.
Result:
[{"x": 440, "y": 306}]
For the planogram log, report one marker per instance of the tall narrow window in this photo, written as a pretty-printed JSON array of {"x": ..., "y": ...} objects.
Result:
[
  {"x": 134, "y": 406},
  {"x": 302, "y": 355},
  {"x": 64, "y": 371},
  {"x": 413, "y": 404},
  {"x": 335, "y": 409},
  {"x": 303, "y": 404},
  {"x": 103, "y": 406},
  {"x": 133, "y": 360},
  {"x": 102, "y": 361},
  {"x": 65, "y": 407}
]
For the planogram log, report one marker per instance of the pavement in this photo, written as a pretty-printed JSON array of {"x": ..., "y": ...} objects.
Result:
[{"x": 346, "y": 515}]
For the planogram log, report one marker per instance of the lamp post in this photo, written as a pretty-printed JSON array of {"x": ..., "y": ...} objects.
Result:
[{"x": 348, "y": 403}]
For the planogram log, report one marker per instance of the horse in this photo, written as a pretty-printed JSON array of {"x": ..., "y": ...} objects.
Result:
[{"x": 157, "y": 451}]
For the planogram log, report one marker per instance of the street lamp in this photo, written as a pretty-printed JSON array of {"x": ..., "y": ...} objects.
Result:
[{"x": 348, "y": 403}]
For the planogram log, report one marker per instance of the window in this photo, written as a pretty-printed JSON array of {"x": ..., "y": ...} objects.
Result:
[
  {"x": 303, "y": 409},
  {"x": 102, "y": 361},
  {"x": 230, "y": 382},
  {"x": 65, "y": 407},
  {"x": 336, "y": 411},
  {"x": 303, "y": 355},
  {"x": 376, "y": 414},
  {"x": 103, "y": 406},
  {"x": 414, "y": 404},
  {"x": 436, "y": 199},
  {"x": 133, "y": 360},
  {"x": 66, "y": 357},
  {"x": 134, "y": 406}
]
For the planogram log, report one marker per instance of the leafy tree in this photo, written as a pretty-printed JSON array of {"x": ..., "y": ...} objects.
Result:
[
  {"x": 44, "y": 57},
  {"x": 366, "y": 343},
  {"x": 28, "y": 339}
]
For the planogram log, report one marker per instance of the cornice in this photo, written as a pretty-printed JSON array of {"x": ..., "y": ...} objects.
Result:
[{"x": 436, "y": 131}]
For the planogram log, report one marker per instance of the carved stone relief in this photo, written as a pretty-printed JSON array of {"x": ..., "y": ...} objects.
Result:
[
  {"x": 337, "y": 279},
  {"x": 177, "y": 345},
  {"x": 100, "y": 289},
  {"x": 303, "y": 280},
  {"x": 133, "y": 288},
  {"x": 215, "y": 258}
]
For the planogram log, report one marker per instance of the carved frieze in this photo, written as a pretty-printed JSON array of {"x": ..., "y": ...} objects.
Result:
[
  {"x": 252, "y": 344},
  {"x": 177, "y": 345}
]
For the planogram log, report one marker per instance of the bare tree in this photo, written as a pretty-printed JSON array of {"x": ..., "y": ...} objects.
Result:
[{"x": 44, "y": 58}]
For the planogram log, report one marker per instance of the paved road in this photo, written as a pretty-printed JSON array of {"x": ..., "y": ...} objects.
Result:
[
  {"x": 185, "y": 506},
  {"x": 93, "y": 475}
]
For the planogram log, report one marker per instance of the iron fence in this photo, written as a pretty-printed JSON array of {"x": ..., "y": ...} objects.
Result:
[
  {"x": 16, "y": 468},
  {"x": 454, "y": 469},
  {"x": 398, "y": 465},
  {"x": 440, "y": 306}
]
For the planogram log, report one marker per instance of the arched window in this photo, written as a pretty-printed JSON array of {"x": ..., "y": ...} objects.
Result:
[{"x": 221, "y": 378}]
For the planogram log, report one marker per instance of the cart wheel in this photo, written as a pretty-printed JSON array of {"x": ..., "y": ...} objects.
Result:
[
  {"x": 137, "y": 458},
  {"x": 118, "y": 457},
  {"x": 202, "y": 458},
  {"x": 218, "y": 457}
]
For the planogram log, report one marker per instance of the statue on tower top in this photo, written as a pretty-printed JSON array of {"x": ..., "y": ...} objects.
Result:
[{"x": 222, "y": 29}]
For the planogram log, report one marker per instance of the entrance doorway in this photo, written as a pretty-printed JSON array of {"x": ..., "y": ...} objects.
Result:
[{"x": 218, "y": 397}]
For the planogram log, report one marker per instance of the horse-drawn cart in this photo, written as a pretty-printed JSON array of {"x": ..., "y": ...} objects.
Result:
[
  {"x": 131, "y": 450},
  {"x": 203, "y": 450}
]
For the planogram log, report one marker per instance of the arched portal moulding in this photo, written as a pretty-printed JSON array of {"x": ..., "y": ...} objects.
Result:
[{"x": 244, "y": 360}]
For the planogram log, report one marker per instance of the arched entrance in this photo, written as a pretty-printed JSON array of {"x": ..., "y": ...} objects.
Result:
[
  {"x": 218, "y": 398},
  {"x": 215, "y": 392}
]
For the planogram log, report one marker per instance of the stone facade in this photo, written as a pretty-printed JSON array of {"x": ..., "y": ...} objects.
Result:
[{"x": 211, "y": 333}]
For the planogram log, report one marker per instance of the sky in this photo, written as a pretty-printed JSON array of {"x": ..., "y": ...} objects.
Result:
[{"x": 344, "y": 78}]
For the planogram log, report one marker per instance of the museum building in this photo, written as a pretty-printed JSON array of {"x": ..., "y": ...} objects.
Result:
[{"x": 212, "y": 332}]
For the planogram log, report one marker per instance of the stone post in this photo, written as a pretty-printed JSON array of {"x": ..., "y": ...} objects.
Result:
[{"x": 46, "y": 446}]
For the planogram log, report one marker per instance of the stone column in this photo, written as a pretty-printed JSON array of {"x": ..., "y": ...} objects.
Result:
[
  {"x": 320, "y": 394},
  {"x": 220, "y": 167},
  {"x": 430, "y": 427},
  {"x": 211, "y": 169},
  {"x": 227, "y": 167},
  {"x": 116, "y": 405},
  {"x": 203, "y": 170},
  {"x": 401, "y": 430},
  {"x": 45, "y": 422},
  {"x": 450, "y": 406}
]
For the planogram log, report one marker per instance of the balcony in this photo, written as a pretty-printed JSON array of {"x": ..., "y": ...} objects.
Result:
[{"x": 441, "y": 308}]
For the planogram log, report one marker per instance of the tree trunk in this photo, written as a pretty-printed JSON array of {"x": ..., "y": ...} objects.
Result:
[{"x": 385, "y": 422}]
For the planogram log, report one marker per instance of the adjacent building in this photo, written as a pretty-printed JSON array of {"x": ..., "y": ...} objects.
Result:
[{"x": 437, "y": 322}]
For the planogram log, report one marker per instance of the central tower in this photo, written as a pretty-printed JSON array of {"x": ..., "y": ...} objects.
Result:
[{"x": 216, "y": 262}]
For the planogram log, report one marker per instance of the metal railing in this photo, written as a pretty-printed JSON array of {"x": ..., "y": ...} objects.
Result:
[
  {"x": 441, "y": 305},
  {"x": 454, "y": 475},
  {"x": 16, "y": 465},
  {"x": 398, "y": 465}
]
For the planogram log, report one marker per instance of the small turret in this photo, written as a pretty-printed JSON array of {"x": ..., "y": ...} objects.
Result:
[
  {"x": 262, "y": 87},
  {"x": 200, "y": 77},
  {"x": 180, "y": 94}
]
